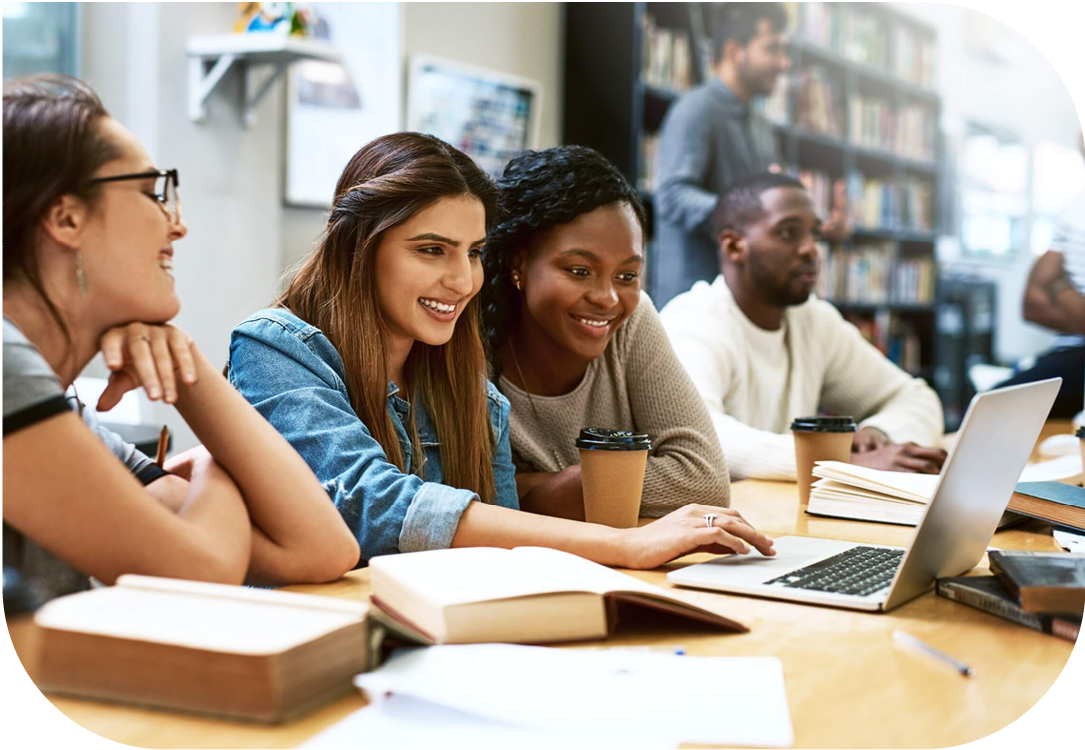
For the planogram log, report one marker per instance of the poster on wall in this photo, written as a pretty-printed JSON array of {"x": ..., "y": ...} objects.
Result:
[
  {"x": 489, "y": 115},
  {"x": 335, "y": 108}
]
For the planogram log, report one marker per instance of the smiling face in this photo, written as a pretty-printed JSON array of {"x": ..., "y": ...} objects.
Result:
[
  {"x": 127, "y": 243},
  {"x": 428, "y": 268},
  {"x": 581, "y": 280},
  {"x": 777, "y": 253}
]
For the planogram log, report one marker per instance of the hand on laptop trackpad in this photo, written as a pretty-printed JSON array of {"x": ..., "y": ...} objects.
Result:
[{"x": 791, "y": 553}]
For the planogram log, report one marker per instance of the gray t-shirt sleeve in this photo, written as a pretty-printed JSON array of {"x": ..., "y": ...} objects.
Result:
[{"x": 32, "y": 393}]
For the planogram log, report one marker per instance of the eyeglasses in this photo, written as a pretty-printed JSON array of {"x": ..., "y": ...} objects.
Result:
[{"x": 165, "y": 189}]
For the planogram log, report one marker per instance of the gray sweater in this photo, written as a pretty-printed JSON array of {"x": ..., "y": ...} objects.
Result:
[
  {"x": 638, "y": 384},
  {"x": 710, "y": 138}
]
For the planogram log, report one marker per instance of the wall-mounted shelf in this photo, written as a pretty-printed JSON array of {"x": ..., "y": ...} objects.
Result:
[{"x": 210, "y": 57}]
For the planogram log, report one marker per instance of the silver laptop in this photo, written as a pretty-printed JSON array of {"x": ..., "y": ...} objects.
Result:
[{"x": 977, "y": 480}]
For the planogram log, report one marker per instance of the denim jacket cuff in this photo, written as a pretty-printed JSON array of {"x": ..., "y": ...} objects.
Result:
[{"x": 432, "y": 518}]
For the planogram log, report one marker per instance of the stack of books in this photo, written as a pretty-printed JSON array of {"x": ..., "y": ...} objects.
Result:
[{"x": 1044, "y": 591}]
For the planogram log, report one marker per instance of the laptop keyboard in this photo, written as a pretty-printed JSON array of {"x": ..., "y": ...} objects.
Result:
[{"x": 859, "y": 571}]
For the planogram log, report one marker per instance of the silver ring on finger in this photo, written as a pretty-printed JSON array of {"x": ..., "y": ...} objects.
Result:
[{"x": 710, "y": 519}]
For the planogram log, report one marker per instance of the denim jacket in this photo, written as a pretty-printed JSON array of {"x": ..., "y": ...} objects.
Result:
[{"x": 294, "y": 377}]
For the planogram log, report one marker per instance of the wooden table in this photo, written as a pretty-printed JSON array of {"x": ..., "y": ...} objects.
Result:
[{"x": 847, "y": 685}]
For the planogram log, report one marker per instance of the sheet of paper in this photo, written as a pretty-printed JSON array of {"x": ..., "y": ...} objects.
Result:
[
  {"x": 402, "y": 722},
  {"x": 1053, "y": 470},
  {"x": 661, "y": 697}
]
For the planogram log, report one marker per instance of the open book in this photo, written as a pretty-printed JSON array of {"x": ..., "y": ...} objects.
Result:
[
  {"x": 523, "y": 595},
  {"x": 848, "y": 491},
  {"x": 203, "y": 647}
]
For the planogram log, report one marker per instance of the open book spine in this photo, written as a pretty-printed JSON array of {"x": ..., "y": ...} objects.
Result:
[{"x": 681, "y": 609}]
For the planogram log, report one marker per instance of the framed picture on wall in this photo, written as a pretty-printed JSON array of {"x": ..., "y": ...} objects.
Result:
[
  {"x": 489, "y": 115},
  {"x": 335, "y": 108}
]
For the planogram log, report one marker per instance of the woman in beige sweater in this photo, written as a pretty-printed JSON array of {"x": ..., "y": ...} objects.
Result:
[{"x": 575, "y": 343}]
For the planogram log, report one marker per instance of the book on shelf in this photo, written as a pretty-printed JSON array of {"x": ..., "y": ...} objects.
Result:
[
  {"x": 895, "y": 338},
  {"x": 1055, "y": 502},
  {"x": 668, "y": 57},
  {"x": 523, "y": 595},
  {"x": 646, "y": 173},
  {"x": 819, "y": 102},
  {"x": 1041, "y": 582},
  {"x": 987, "y": 593},
  {"x": 915, "y": 132},
  {"x": 864, "y": 39},
  {"x": 871, "y": 274},
  {"x": 844, "y": 490},
  {"x": 913, "y": 57},
  {"x": 906, "y": 203},
  {"x": 821, "y": 24},
  {"x": 203, "y": 647}
]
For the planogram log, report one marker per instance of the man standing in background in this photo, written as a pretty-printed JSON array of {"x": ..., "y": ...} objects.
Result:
[{"x": 710, "y": 138}]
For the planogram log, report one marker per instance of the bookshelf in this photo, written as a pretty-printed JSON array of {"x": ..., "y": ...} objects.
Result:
[{"x": 858, "y": 106}]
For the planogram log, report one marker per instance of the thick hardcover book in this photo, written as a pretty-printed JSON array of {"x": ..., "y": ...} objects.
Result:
[
  {"x": 523, "y": 595},
  {"x": 1042, "y": 582},
  {"x": 1055, "y": 502},
  {"x": 988, "y": 594},
  {"x": 204, "y": 647}
]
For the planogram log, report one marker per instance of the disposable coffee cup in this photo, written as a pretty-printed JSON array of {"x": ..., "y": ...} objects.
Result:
[
  {"x": 1081, "y": 442},
  {"x": 819, "y": 439},
  {"x": 612, "y": 473}
]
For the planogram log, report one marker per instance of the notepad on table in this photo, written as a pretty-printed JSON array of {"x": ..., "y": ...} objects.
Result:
[
  {"x": 845, "y": 490},
  {"x": 523, "y": 595}
]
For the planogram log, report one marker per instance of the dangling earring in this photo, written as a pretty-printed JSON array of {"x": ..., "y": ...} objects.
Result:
[
  {"x": 516, "y": 279},
  {"x": 80, "y": 275}
]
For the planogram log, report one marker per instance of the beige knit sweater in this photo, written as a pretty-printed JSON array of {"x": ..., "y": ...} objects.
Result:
[{"x": 638, "y": 385}]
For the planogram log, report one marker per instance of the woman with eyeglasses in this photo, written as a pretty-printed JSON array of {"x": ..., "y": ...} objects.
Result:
[{"x": 89, "y": 232}]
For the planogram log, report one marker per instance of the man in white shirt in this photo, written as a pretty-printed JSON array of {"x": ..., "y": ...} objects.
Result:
[{"x": 763, "y": 351}]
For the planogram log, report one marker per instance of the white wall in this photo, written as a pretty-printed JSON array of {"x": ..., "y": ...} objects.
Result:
[
  {"x": 226, "y": 268},
  {"x": 1028, "y": 98},
  {"x": 523, "y": 39}
]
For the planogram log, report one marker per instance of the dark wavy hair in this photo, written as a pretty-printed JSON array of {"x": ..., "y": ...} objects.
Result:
[{"x": 539, "y": 191}]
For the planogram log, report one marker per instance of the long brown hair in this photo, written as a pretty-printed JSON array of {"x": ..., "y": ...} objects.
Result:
[
  {"x": 53, "y": 145},
  {"x": 386, "y": 183}
]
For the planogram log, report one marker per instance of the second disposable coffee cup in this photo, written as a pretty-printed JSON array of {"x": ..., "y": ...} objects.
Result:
[
  {"x": 612, "y": 466},
  {"x": 819, "y": 439},
  {"x": 1081, "y": 443}
]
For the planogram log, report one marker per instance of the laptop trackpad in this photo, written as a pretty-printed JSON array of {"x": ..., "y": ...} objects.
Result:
[{"x": 792, "y": 552}]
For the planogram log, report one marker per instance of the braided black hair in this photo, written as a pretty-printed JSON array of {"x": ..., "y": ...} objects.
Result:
[{"x": 539, "y": 191}]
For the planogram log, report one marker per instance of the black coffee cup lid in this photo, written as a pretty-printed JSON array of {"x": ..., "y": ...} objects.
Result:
[
  {"x": 601, "y": 439},
  {"x": 823, "y": 424},
  {"x": 1080, "y": 432}
]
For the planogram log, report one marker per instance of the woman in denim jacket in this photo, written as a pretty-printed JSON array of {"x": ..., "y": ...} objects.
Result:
[{"x": 371, "y": 364}]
